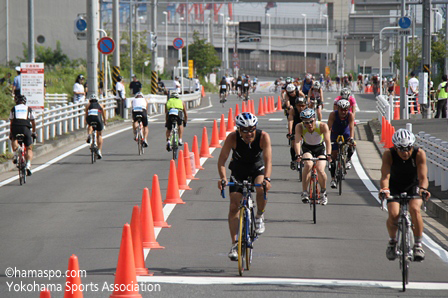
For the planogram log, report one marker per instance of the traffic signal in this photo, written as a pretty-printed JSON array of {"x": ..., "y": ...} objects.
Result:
[
  {"x": 80, "y": 24},
  {"x": 152, "y": 41}
]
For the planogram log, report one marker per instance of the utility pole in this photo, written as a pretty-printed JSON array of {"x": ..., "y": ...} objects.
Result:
[
  {"x": 30, "y": 30},
  {"x": 403, "y": 112},
  {"x": 116, "y": 35},
  {"x": 446, "y": 39},
  {"x": 154, "y": 79},
  {"x": 92, "y": 50},
  {"x": 426, "y": 52}
]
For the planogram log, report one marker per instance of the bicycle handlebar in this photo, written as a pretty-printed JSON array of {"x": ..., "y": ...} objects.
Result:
[
  {"x": 248, "y": 184},
  {"x": 314, "y": 158},
  {"x": 404, "y": 196}
]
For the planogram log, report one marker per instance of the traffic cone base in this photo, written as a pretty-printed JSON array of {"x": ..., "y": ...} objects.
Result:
[
  {"x": 147, "y": 223},
  {"x": 181, "y": 176},
  {"x": 140, "y": 268},
  {"x": 187, "y": 162},
  {"x": 222, "y": 128},
  {"x": 172, "y": 193},
  {"x": 195, "y": 148},
  {"x": 230, "y": 122}
]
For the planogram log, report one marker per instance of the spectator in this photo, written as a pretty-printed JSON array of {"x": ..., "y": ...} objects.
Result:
[
  {"x": 78, "y": 90},
  {"x": 177, "y": 85},
  {"x": 442, "y": 96},
  {"x": 197, "y": 84},
  {"x": 161, "y": 86},
  {"x": 121, "y": 96},
  {"x": 6, "y": 78},
  {"x": 413, "y": 90},
  {"x": 135, "y": 85},
  {"x": 16, "y": 85}
]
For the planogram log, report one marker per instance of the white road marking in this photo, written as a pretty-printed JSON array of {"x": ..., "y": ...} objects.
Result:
[
  {"x": 431, "y": 244},
  {"x": 204, "y": 280},
  {"x": 276, "y": 119}
]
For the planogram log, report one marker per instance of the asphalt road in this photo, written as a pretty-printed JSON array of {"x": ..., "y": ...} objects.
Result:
[{"x": 74, "y": 207}]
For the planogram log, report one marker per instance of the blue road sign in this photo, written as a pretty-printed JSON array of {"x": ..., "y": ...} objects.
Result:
[
  {"x": 106, "y": 45},
  {"x": 404, "y": 22},
  {"x": 81, "y": 24},
  {"x": 178, "y": 43}
]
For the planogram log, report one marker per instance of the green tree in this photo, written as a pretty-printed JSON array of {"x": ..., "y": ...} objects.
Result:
[
  {"x": 414, "y": 57},
  {"x": 140, "y": 53},
  {"x": 203, "y": 54},
  {"x": 49, "y": 56},
  {"x": 438, "y": 52}
]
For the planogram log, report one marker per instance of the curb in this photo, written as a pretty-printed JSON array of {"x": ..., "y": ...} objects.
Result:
[
  {"x": 435, "y": 206},
  {"x": 51, "y": 145}
]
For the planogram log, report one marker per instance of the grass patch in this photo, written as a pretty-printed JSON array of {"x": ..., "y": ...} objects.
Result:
[{"x": 6, "y": 156}]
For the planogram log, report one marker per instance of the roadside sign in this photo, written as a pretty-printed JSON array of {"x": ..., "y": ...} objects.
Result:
[
  {"x": 178, "y": 43},
  {"x": 190, "y": 68},
  {"x": 404, "y": 32},
  {"x": 404, "y": 22},
  {"x": 106, "y": 45},
  {"x": 32, "y": 84}
]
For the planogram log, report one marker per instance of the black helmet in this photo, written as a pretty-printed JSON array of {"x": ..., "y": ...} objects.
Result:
[
  {"x": 20, "y": 99},
  {"x": 119, "y": 78}
]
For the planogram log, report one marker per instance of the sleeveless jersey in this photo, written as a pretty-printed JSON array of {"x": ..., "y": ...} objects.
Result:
[
  {"x": 340, "y": 126},
  {"x": 296, "y": 120},
  {"x": 306, "y": 87},
  {"x": 95, "y": 111},
  {"x": 247, "y": 153},
  {"x": 403, "y": 173},
  {"x": 315, "y": 94},
  {"x": 314, "y": 138},
  {"x": 21, "y": 115},
  {"x": 174, "y": 103},
  {"x": 138, "y": 104}
]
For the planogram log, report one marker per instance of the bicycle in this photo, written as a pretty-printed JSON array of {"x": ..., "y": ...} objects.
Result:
[
  {"x": 174, "y": 136},
  {"x": 93, "y": 145},
  {"x": 405, "y": 236},
  {"x": 246, "y": 227},
  {"x": 140, "y": 138},
  {"x": 314, "y": 189},
  {"x": 341, "y": 160},
  {"x": 222, "y": 98},
  {"x": 21, "y": 160}
]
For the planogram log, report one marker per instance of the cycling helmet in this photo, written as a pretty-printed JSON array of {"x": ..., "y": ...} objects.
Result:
[
  {"x": 20, "y": 99},
  {"x": 223, "y": 77},
  {"x": 290, "y": 88},
  {"x": 308, "y": 76},
  {"x": 343, "y": 104},
  {"x": 119, "y": 78},
  {"x": 300, "y": 100},
  {"x": 307, "y": 114},
  {"x": 345, "y": 92},
  {"x": 139, "y": 95},
  {"x": 288, "y": 80},
  {"x": 316, "y": 85},
  {"x": 281, "y": 78},
  {"x": 391, "y": 80},
  {"x": 93, "y": 97},
  {"x": 175, "y": 94},
  {"x": 246, "y": 120},
  {"x": 248, "y": 76},
  {"x": 403, "y": 138}
]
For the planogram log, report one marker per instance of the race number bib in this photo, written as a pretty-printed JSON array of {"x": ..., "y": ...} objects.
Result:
[
  {"x": 138, "y": 109},
  {"x": 93, "y": 112},
  {"x": 246, "y": 84},
  {"x": 239, "y": 82},
  {"x": 224, "y": 87},
  {"x": 174, "y": 112}
]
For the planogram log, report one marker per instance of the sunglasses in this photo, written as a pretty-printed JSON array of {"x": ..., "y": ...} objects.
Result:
[
  {"x": 308, "y": 122},
  {"x": 247, "y": 130},
  {"x": 404, "y": 149}
]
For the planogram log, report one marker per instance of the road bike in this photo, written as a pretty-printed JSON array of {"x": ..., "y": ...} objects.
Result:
[
  {"x": 222, "y": 98},
  {"x": 93, "y": 144},
  {"x": 341, "y": 160},
  {"x": 314, "y": 189},
  {"x": 174, "y": 135},
  {"x": 246, "y": 228},
  {"x": 140, "y": 138},
  {"x": 21, "y": 158},
  {"x": 405, "y": 236}
]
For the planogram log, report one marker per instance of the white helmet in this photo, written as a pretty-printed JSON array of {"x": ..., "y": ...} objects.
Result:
[
  {"x": 403, "y": 138},
  {"x": 343, "y": 104},
  {"x": 290, "y": 88},
  {"x": 300, "y": 100},
  {"x": 345, "y": 93},
  {"x": 316, "y": 85},
  {"x": 174, "y": 94},
  {"x": 307, "y": 114},
  {"x": 93, "y": 97},
  {"x": 246, "y": 120}
]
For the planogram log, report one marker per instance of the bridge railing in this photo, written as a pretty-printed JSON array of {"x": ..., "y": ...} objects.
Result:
[{"x": 68, "y": 117}]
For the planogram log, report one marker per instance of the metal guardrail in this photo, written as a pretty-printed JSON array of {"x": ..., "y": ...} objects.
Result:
[
  {"x": 383, "y": 107},
  {"x": 69, "y": 117},
  {"x": 437, "y": 157}
]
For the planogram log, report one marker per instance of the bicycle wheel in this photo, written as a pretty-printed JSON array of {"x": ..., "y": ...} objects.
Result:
[
  {"x": 21, "y": 172},
  {"x": 339, "y": 175},
  {"x": 314, "y": 200},
  {"x": 139, "y": 141},
  {"x": 251, "y": 234},
  {"x": 299, "y": 169},
  {"x": 241, "y": 241},
  {"x": 24, "y": 172},
  {"x": 404, "y": 255}
]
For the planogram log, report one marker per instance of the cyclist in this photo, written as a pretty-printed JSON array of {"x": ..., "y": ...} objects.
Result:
[
  {"x": 404, "y": 170},
  {"x": 316, "y": 96},
  {"x": 140, "y": 108},
  {"x": 293, "y": 120},
  {"x": 223, "y": 88},
  {"x": 359, "y": 82},
  {"x": 239, "y": 85},
  {"x": 307, "y": 84},
  {"x": 338, "y": 83},
  {"x": 314, "y": 135},
  {"x": 254, "y": 85},
  {"x": 173, "y": 106},
  {"x": 341, "y": 122},
  {"x": 22, "y": 119},
  {"x": 346, "y": 94},
  {"x": 95, "y": 112},
  {"x": 287, "y": 82},
  {"x": 391, "y": 87},
  {"x": 289, "y": 97},
  {"x": 251, "y": 159},
  {"x": 246, "y": 87}
]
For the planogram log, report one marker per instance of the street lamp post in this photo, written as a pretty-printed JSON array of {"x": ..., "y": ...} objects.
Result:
[
  {"x": 166, "y": 37},
  {"x": 381, "y": 56},
  {"x": 326, "y": 16},
  {"x": 223, "y": 42},
  {"x": 180, "y": 51},
  {"x": 304, "y": 15},
  {"x": 269, "y": 22}
]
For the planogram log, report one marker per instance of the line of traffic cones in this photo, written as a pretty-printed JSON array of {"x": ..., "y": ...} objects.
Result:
[{"x": 387, "y": 131}]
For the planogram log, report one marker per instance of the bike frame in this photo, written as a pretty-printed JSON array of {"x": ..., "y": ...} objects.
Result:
[
  {"x": 93, "y": 144},
  {"x": 314, "y": 185},
  {"x": 341, "y": 158},
  {"x": 21, "y": 162}
]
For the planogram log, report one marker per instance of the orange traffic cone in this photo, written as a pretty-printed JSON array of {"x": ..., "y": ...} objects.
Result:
[
  {"x": 386, "y": 134},
  {"x": 237, "y": 110},
  {"x": 230, "y": 122},
  {"x": 205, "y": 151},
  {"x": 73, "y": 284},
  {"x": 271, "y": 101},
  {"x": 203, "y": 92},
  {"x": 214, "y": 143},
  {"x": 156, "y": 205},
  {"x": 137, "y": 244},
  {"x": 188, "y": 168},
  {"x": 181, "y": 176},
  {"x": 45, "y": 294},
  {"x": 147, "y": 223},
  {"x": 197, "y": 160},
  {"x": 397, "y": 111},
  {"x": 243, "y": 107},
  {"x": 172, "y": 193},
  {"x": 260, "y": 108},
  {"x": 279, "y": 104},
  {"x": 222, "y": 128},
  {"x": 252, "y": 108},
  {"x": 383, "y": 129},
  {"x": 125, "y": 277},
  {"x": 265, "y": 106}
]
